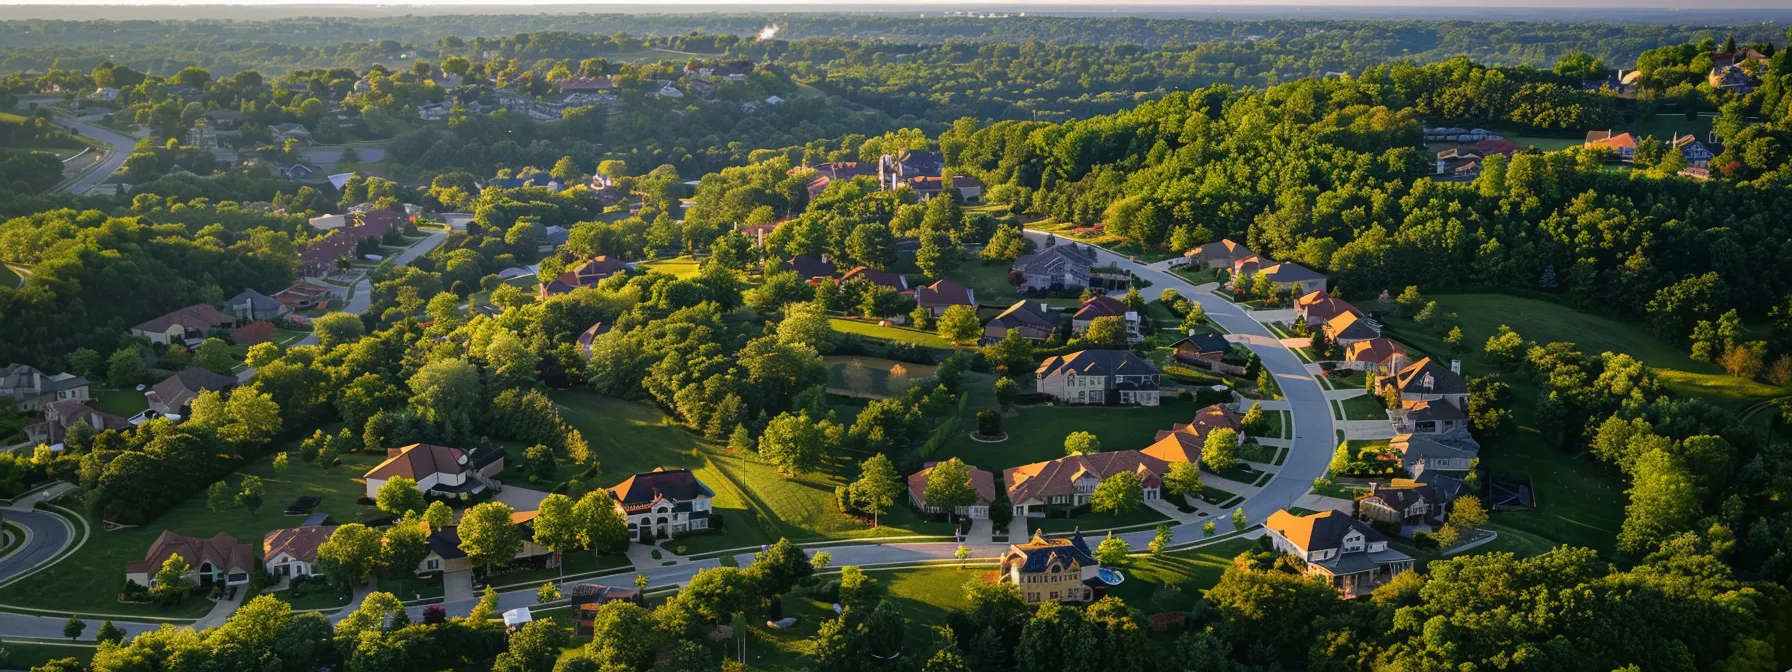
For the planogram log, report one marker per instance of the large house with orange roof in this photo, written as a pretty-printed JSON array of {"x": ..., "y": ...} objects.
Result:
[
  {"x": 1350, "y": 328},
  {"x": 663, "y": 503},
  {"x": 1220, "y": 254},
  {"x": 220, "y": 560},
  {"x": 983, "y": 482},
  {"x": 1622, "y": 144},
  {"x": 1183, "y": 442},
  {"x": 440, "y": 471},
  {"x": 1319, "y": 307},
  {"x": 1352, "y": 557},
  {"x": 1376, "y": 355},
  {"x": 1068, "y": 482}
]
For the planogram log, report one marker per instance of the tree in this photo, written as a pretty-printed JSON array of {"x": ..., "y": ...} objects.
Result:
[
  {"x": 73, "y": 628},
  {"x": 126, "y": 368},
  {"x": 959, "y": 324},
  {"x": 1239, "y": 521},
  {"x": 1410, "y": 301},
  {"x": 989, "y": 423},
  {"x": 214, "y": 355},
  {"x": 350, "y": 554},
  {"x": 250, "y": 497},
  {"x": 949, "y": 487},
  {"x": 403, "y": 547},
  {"x": 438, "y": 515},
  {"x": 280, "y": 462},
  {"x": 218, "y": 497},
  {"x": 1081, "y": 443},
  {"x": 1184, "y": 479},
  {"x": 1505, "y": 349},
  {"x": 603, "y": 530},
  {"x": 487, "y": 535},
  {"x": 1255, "y": 422},
  {"x": 1466, "y": 512},
  {"x": 173, "y": 574},
  {"x": 807, "y": 324},
  {"x": 1013, "y": 355},
  {"x": 877, "y": 487},
  {"x": 399, "y": 495},
  {"x": 1220, "y": 450},
  {"x": 109, "y": 633},
  {"x": 250, "y": 418},
  {"x": 1118, "y": 494},
  {"x": 1006, "y": 392},
  {"x": 938, "y": 255},
  {"x": 333, "y": 329},
  {"x": 445, "y": 394},
  {"x": 1108, "y": 331},
  {"x": 534, "y": 648},
  {"x": 1112, "y": 551},
  {"x": 547, "y": 593},
  {"x": 794, "y": 443},
  {"x": 1161, "y": 540},
  {"x": 558, "y": 526}
]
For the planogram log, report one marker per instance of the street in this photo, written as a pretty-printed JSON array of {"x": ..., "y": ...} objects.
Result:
[
  {"x": 363, "y": 291},
  {"x": 121, "y": 149}
]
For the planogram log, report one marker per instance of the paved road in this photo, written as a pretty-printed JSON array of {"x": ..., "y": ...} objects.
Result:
[
  {"x": 48, "y": 535},
  {"x": 364, "y": 292},
  {"x": 121, "y": 149}
]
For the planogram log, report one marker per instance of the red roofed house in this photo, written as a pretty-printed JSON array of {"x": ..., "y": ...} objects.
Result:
[
  {"x": 1319, "y": 307},
  {"x": 1068, "y": 482},
  {"x": 218, "y": 560},
  {"x": 439, "y": 470},
  {"x": 586, "y": 274},
  {"x": 944, "y": 294},
  {"x": 1376, "y": 355},
  {"x": 1184, "y": 442},
  {"x": 1622, "y": 144},
  {"x": 895, "y": 281},
  {"x": 981, "y": 481},
  {"x": 1106, "y": 306},
  {"x": 662, "y": 503},
  {"x": 320, "y": 257},
  {"x": 292, "y": 551},
  {"x": 1220, "y": 254}
]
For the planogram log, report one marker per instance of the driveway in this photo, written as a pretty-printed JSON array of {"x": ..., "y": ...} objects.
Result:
[
  {"x": 457, "y": 587},
  {"x": 363, "y": 290},
  {"x": 519, "y": 498}
]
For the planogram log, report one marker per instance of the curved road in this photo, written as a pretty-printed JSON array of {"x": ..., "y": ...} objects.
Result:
[
  {"x": 121, "y": 149},
  {"x": 49, "y": 534}
]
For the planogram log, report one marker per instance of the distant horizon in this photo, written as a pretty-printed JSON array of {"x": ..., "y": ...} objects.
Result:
[{"x": 883, "y": 6}]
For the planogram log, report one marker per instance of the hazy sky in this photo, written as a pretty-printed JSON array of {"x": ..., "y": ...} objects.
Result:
[{"x": 1048, "y": 6}]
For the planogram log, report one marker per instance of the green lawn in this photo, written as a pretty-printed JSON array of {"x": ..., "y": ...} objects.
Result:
[
  {"x": 989, "y": 279},
  {"x": 8, "y": 278},
  {"x": 925, "y": 595},
  {"x": 122, "y": 403},
  {"x": 1546, "y": 144},
  {"x": 90, "y": 579},
  {"x": 1663, "y": 127},
  {"x": 802, "y": 508},
  {"x": 1364, "y": 407},
  {"x": 1038, "y": 433},
  {"x": 27, "y": 655},
  {"x": 1279, "y": 422},
  {"x": 1143, "y": 516},
  {"x": 862, "y": 376},
  {"x": 899, "y": 334},
  {"x": 1189, "y": 571},
  {"x": 683, "y": 267}
]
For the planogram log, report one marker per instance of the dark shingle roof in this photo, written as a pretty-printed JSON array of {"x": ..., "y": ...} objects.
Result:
[
  {"x": 647, "y": 488},
  {"x": 1099, "y": 363}
]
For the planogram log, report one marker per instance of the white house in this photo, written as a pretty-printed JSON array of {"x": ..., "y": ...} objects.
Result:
[
  {"x": 663, "y": 503},
  {"x": 292, "y": 551},
  {"x": 440, "y": 471}
]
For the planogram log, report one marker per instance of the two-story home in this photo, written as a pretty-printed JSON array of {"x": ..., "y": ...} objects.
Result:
[
  {"x": 1029, "y": 319},
  {"x": 1106, "y": 306},
  {"x": 1067, "y": 483},
  {"x": 585, "y": 274},
  {"x": 939, "y": 296},
  {"x": 1425, "y": 453},
  {"x": 439, "y": 471},
  {"x": 1211, "y": 352},
  {"x": 1348, "y": 329},
  {"x": 61, "y": 416},
  {"x": 983, "y": 482},
  {"x": 174, "y": 394},
  {"x": 250, "y": 305},
  {"x": 1378, "y": 356},
  {"x": 663, "y": 503},
  {"x": 1185, "y": 441},
  {"x": 1319, "y": 307},
  {"x": 1057, "y": 268},
  {"x": 1056, "y": 570},
  {"x": 1697, "y": 154},
  {"x": 30, "y": 388},
  {"x": 186, "y": 327},
  {"x": 292, "y": 551},
  {"x": 1414, "y": 507},
  {"x": 1433, "y": 399},
  {"x": 220, "y": 560},
  {"x": 1099, "y": 377},
  {"x": 1353, "y": 557},
  {"x": 1219, "y": 255}
]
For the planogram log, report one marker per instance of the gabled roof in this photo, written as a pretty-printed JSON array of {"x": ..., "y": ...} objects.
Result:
[
  {"x": 179, "y": 389},
  {"x": 1054, "y": 260},
  {"x": 1101, "y": 305},
  {"x": 1351, "y": 326},
  {"x": 944, "y": 293},
  {"x": 642, "y": 490},
  {"x": 586, "y": 274},
  {"x": 418, "y": 460},
  {"x": 1176, "y": 446},
  {"x": 1319, "y": 531},
  {"x": 589, "y": 336},
  {"x": 1223, "y": 250},
  {"x": 808, "y": 267},
  {"x": 1432, "y": 410},
  {"x": 1413, "y": 447},
  {"x": 981, "y": 481},
  {"x": 1098, "y": 363},
  {"x": 1021, "y": 315},
  {"x": 1426, "y": 376},
  {"x": 1289, "y": 271},
  {"x": 1374, "y": 350},
  {"x": 299, "y": 542},
  {"x": 894, "y": 281},
  {"x": 1607, "y": 139},
  {"x": 1399, "y": 497},
  {"x": 201, "y": 316},
  {"x": 1039, "y": 480},
  {"x": 1320, "y": 307},
  {"x": 1203, "y": 343},
  {"x": 1041, "y": 552},
  {"x": 221, "y": 550},
  {"x": 257, "y": 301}
]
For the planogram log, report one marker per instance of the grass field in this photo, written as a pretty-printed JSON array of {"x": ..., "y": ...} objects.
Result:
[
  {"x": 89, "y": 579},
  {"x": 1115, "y": 243},
  {"x": 862, "y": 376},
  {"x": 802, "y": 508},
  {"x": 1190, "y": 572},
  {"x": 27, "y": 655},
  {"x": 683, "y": 267},
  {"x": 1140, "y": 517},
  {"x": 924, "y": 594},
  {"x": 1038, "y": 433},
  {"x": 1364, "y": 407},
  {"x": 122, "y": 403},
  {"x": 899, "y": 334}
]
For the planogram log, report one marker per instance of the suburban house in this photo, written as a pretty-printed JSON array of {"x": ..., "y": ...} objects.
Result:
[
  {"x": 586, "y": 598},
  {"x": 218, "y": 560},
  {"x": 939, "y": 296},
  {"x": 585, "y": 274},
  {"x": 663, "y": 503},
  {"x": 444, "y": 552},
  {"x": 810, "y": 269},
  {"x": 1184, "y": 442},
  {"x": 1696, "y": 153},
  {"x": 1452, "y": 161},
  {"x": 61, "y": 416},
  {"x": 1289, "y": 276},
  {"x": 1210, "y": 352},
  {"x": 292, "y": 551},
  {"x": 1055, "y": 569},
  {"x": 1422, "y": 453},
  {"x": 1731, "y": 78},
  {"x": 1426, "y": 380},
  {"x": 284, "y": 132},
  {"x": 1056, "y": 268},
  {"x": 1021, "y": 316},
  {"x": 590, "y": 334},
  {"x": 30, "y": 388},
  {"x": 983, "y": 482},
  {"x": 1219, "y": 255},
  {"x": 186, "y": 327},
  {"x": 322, "y": 255},
  {"x": 1622, "y": 144},
  {"x": 251, "y": 306},
  {"x": 1066, "y": 484},
  {"x": 525, "y": 531},
  {"x": 893, "y": 170},
  {"x": 1353, "y": 557},
  {"x": 1350, "y": 328},
  {"x": 895, "y": 281},
  {"x": 969, "y": 188},
  {"x": 1244, "y": 266},
  {"x": 1099, "y": 377},
  {"x": 1378, "y": 356},
  {"x": 1106, "y": 306},
  {"x": 439, "y": 471},
  {"x": 1412, "y": 506},
  {"x": 1319, "y": 307},
  {"x": 176, "y": 392}
]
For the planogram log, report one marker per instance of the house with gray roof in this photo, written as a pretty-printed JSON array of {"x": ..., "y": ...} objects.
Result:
[
  {"x": 1055, "y": 569},
  {"x": 1420, "y": 454},
  {"x": 1100, "y": 377},
  {"x": 30, "y": 388},
  {"x": 1030, "y": 320},
  {"x": 1056, "y": 268},
  {"x": 250, "y": 305},
  {"x": 176, "y": 392},
  {"x": 1289, "y": 276},
  {"x": 1352, "y": 557}
]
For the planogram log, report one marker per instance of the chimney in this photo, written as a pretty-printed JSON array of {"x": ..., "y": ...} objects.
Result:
[
  {"x": 1456, "y": 366},
  {"x": 824, "y": 257}
]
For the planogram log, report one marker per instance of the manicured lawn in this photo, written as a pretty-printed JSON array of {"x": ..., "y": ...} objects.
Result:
[
  {"x": 925, "y": 595},
  {"x": 990, "y": 282},
  {"x": 1364, "y": 407},
  {"x": 882, "y": 333},
  {"x": 319, "y": 597},
  {"x": 1278, "y": 424},
  {"x": 1038, "y": 433},
  {"x": 1144, "y": 515},
  {"x": 1118, "y": 245},
  {"x": 1545, "y": 143},
  {"x": 122, "y": 403},
  {"x": 27, "y": 655},
  {"x": 1513, "y": 540},
  {"x": 683, "y": 267},
  {"x": 1189, "y": 571},
  {"x": 802, "y": 508},
  {"x": 862, "y": 376},
  {"x": 90, "y": 579}
]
